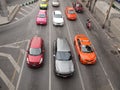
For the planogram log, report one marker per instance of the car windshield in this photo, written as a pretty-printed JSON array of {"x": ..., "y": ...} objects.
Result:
[
  {"x": 86, "y": 49},
  {"x": 35, "y": 51},
  {"x": 58, "y": 16},
  {"x": 43, "y": 2},
  {"x": 71, "y": 11},
  {"x": 41, "y": 16},
  {"x": 63, "y": 56}
]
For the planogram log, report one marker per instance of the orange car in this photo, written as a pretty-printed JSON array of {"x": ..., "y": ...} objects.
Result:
[
  {"x": 70, "y": 13},
  {"x": 84, "y": 49}
]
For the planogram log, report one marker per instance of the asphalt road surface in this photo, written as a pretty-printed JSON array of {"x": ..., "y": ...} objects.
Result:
[{"x": 14, "y": 41}]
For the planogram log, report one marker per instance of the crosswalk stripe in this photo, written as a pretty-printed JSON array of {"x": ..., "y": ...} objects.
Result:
[
  {"x": 24, "y": 10},
  {"x": 16, "y": 18},
  {"x": 21, "y": 13},
  {"x": 29, "y": 7},
  {"x": 6, "y": 80}
]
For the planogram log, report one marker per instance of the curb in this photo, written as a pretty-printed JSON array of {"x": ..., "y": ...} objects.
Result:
[
  {"x": 27, "y": 3},
  {"x": 11, "y": 15}
]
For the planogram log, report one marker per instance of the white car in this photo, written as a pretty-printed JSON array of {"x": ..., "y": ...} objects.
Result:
[
  {"x": 55, "y": 3},
  {"x": 58, "y": 18}
]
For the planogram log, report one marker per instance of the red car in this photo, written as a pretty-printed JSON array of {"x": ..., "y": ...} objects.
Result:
[
  {"x": 41, "y": 17},
  {"x": 35, "y": 53},
  {"x": 78, "y": 6}
]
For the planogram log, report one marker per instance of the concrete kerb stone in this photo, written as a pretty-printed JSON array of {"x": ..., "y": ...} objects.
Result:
[
  {"x": 13, "y": 13},
  {"x": 27, "y": 3}
]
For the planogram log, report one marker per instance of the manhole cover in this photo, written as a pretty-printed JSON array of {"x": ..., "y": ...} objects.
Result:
[{"x": 114, "y": 52}]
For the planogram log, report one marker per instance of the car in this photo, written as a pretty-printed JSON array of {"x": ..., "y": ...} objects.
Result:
[
  {"x": 70, "y": 13},
  {"x": 35, "y": 52},
  {"x": 63, "y": 64},
  {"x": 84, "y": 49},
  {"x": 43, "y": 5},
  {"x": 41, "y": 17},
  {"x": 58, "y": 18},
  {"x": 55, "y": 3},
  {"x": 78, "y": 6}
]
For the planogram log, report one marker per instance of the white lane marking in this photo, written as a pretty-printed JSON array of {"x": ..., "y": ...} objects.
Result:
[
  {"x": 16, "y": 18},
  {"x": 29, "y": 7},
  {"x": 10, "y": 44},
  {"x": 97, "y": 57},
  {"x": 50, "y": 51},
  {"x": 21, "y": 13},
  {"x": 24, "y": 10},
  {"x": 80, "y": 76},
  {"x": 16, "y": 66},
  {"x": 18, "y": 82},
  {"x": 6, "y": 80}
]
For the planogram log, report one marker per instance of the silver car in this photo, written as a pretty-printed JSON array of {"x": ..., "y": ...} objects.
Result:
[
  {"x": 64, "y": 66},
  {"x": 55, "y": 3}
]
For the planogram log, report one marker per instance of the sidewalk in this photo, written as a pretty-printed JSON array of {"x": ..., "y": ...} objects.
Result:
[
  {"x": 112, "y": 29},
  {"x": 12, "y": 11}
]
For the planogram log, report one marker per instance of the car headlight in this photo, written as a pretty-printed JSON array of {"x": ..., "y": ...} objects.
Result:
[
  {"x": 83, "y": 58},
  {"x": 28, "y": 61},
  {"x": 40, "y": 60}
]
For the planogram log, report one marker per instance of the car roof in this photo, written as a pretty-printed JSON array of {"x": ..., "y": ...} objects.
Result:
[
  {"x": 62, "y": 45},
  {"x": 57, "y": 12},
  {"x": 84, "y": 39},
  {"x": 36, "y": 42}
]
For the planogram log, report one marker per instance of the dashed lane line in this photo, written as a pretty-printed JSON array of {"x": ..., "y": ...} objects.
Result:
[
  {"x": 16, "y": 66},
  {"x": 6, "y": 80},
  {"x": 16, "y": 18}
]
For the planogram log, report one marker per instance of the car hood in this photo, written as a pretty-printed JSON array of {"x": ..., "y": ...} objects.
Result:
[
  {"x": 64, "y": 67},
  {"x": 58, "y": 20},
  {"x": 35, "y": 59},
  {"x": 88, "y": 56},
  {"x": 41, "y": 19}
]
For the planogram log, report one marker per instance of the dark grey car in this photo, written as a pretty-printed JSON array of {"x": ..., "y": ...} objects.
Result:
[{"x": 63, "y": 59}]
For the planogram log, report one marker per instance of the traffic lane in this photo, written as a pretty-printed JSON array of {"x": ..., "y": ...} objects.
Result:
[
  {"x": 36, "y": 79},
  {"x": 57, "y": 82},
  {"x": 99, "y": 70},
  {"x": 110, "y": 57}
]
